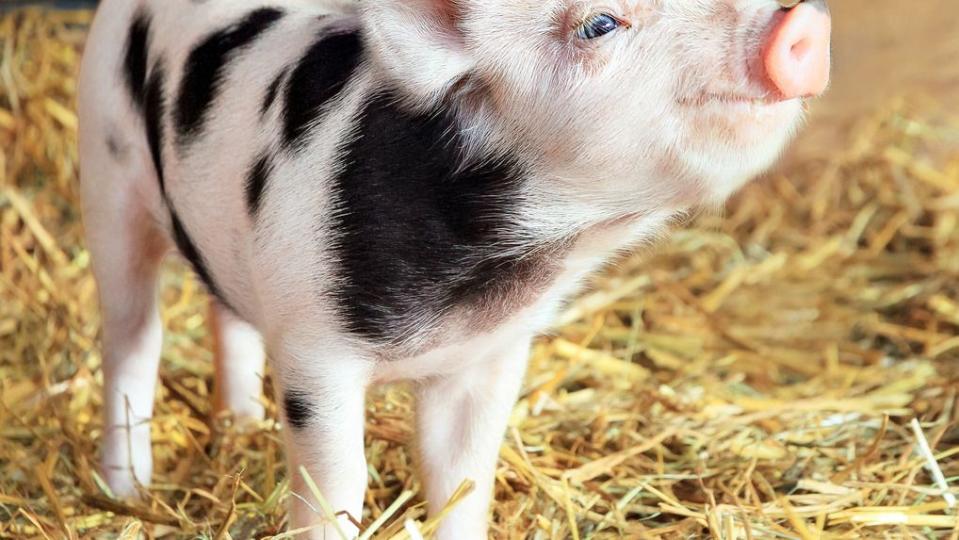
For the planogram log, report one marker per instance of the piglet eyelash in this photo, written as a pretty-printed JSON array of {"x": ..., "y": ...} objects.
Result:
[{"x": 625, "y": 23}]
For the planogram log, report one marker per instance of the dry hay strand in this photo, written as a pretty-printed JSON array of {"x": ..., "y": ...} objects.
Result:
[{"x": 752, "y": 377}]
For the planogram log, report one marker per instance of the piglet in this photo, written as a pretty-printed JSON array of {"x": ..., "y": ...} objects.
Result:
[{"x": 404, "y": 190}]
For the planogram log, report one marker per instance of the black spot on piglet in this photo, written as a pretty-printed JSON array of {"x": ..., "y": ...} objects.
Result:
[
  {"x": 207, "y": 63},
  {"x": 256, "y": 182},
  {"x": 135, "y": 59},
  {"x": 154, "y": 110},
  {"x": 320, "y": 76},
  {"x": 271, "y": 93},
  {"x": 299, "y": 410},
  {"x": 189, "y": 250},
  {"x": 117, "y": 149}
]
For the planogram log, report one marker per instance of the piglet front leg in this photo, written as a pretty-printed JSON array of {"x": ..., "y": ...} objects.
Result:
[
  {"x": 461, "y": 420},
  {"x": 323, "y": 400}
]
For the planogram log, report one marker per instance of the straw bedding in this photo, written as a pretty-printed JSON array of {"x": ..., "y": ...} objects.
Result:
[{"x": 754, "y": 376}]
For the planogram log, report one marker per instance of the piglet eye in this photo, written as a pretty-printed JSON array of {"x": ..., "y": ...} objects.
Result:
[{"x": 598, "y": 26}]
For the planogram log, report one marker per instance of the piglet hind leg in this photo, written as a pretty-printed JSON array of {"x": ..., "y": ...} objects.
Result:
[
  {"x": 322, "y": 398},
  {"x": 239, "y": 362},
  {"x": 126, "y": 247},
  {"x": 461, "y": 422}
]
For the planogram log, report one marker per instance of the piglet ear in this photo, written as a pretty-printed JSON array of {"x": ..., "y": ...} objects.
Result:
[{"x": 420, "y": 43}]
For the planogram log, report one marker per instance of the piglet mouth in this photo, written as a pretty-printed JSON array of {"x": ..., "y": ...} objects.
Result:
[{"x": 714, "y": 99}]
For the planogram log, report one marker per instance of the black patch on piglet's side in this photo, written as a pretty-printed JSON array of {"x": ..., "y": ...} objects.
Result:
[
  {"x": 418, "y": 232},
  {"x": 320, "y": 76},
  {"x": 256, "y": 182},
  {"x": 135, "y": 58},
  {"x": 206, "y": 65},
  {"x": 299, "y": 411}
]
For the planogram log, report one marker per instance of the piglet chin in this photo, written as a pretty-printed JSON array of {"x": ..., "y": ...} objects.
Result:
[
  {"x": 743, "y": 123},
  {"x": 729, "y": 142}
]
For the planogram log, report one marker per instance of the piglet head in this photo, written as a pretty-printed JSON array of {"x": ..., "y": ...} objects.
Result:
[{"x": 647, "y": 101}]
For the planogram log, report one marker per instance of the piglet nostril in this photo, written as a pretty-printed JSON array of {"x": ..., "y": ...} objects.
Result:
[{"x": 797, "y": 56}]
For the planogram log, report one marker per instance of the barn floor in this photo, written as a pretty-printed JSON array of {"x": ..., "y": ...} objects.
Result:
[{"x": 754, "y": 376}]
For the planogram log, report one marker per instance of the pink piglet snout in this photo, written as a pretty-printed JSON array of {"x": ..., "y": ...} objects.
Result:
[{"x": 797, "y": 55}]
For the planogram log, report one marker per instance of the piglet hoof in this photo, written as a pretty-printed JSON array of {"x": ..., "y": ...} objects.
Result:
[
  {"x": 122, "y": 483},
  {"x": 244, "y": 422},
  {"x": 249, "y": 421}
]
